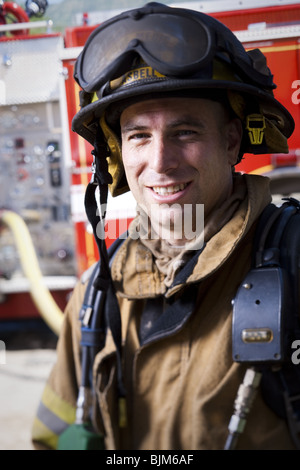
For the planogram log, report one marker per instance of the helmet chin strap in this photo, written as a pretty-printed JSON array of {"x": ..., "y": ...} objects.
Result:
[
  {"x": 96, "y": 216},
  {"x": 96, "y": 213}
]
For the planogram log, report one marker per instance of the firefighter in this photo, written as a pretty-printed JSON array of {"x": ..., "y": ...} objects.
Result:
[{"x": 170, "y": 101}]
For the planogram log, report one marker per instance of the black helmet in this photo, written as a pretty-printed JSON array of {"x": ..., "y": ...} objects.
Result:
[{"x": 157, "y": 50}]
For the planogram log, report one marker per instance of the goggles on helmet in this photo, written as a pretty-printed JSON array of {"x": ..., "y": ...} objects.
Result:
[{"x": 165, "y": 39}]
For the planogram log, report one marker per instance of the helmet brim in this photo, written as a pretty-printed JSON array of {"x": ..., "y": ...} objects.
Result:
[{"x": 85, "y": 122}]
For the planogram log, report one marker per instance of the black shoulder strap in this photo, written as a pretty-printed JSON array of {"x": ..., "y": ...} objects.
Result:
[
  {"x": 266, "y": 311},
  {"x": 93, "y": 318},
  {"x": 281, "y": 386},
  {"x": 269, "y": 232},
  {"x": 268, "y": 294},
  {"x": 91, "y": 308}
]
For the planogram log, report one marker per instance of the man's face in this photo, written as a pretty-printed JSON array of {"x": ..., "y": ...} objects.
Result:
[{"x": 178, "y": 153}]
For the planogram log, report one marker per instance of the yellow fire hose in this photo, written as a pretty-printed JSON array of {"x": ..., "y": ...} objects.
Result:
[{"x": 40, "y": 294}]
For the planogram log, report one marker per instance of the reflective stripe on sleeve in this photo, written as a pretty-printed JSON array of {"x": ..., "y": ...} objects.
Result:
[
  {"x": 53, "y": 422},
  {"x": 54, "y": 415}
]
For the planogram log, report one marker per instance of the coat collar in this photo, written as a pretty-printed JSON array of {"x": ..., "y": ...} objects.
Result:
[{"x": 136, "y": 275}]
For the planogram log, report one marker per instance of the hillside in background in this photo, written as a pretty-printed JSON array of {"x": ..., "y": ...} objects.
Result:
[
  {"x": 68, "y": 13},
  {"x": 63, "y": 14}
]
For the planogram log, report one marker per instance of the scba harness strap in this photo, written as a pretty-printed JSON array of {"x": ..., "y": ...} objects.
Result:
[
  {"x": 266, "y": 321},
  {"x": 96, "y": 315}
]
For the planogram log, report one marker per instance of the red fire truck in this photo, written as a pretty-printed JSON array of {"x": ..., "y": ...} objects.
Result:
[{"x": 44, "y": 167}]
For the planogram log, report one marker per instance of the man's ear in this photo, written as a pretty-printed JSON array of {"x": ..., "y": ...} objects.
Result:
[{"x": 234, "y": 133}]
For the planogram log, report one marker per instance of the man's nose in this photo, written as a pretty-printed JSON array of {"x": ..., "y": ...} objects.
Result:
[{"x": 163, "y": 156}]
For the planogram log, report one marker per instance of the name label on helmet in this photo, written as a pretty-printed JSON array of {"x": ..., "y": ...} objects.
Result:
[{"x": 145, "y": 73}]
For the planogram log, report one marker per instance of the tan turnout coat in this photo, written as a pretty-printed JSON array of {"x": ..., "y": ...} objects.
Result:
[{"x": 181, "y": 385}]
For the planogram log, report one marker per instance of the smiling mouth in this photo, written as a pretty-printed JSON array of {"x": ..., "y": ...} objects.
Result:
[{"x": 166, "y": 190}]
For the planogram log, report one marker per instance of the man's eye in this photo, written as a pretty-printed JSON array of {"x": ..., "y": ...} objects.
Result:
[
  {"x": 187, "y": 132},
  {"x": 138, "y": 136}
]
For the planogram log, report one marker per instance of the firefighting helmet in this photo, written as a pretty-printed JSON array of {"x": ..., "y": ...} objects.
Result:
[{"x": 159, "y": 50}]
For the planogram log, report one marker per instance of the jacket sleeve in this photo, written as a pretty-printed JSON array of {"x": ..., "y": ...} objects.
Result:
[{"x": 57, "y": 407}]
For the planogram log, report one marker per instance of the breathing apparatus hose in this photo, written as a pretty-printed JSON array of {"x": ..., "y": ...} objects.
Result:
[{"x": 40, "y": 294}]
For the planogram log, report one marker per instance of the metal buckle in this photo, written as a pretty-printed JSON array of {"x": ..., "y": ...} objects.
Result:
[{"x": 94, "y": 179}]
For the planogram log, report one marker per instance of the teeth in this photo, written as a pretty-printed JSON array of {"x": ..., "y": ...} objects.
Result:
[{"x": 163, "y": 190}]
